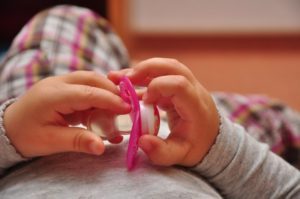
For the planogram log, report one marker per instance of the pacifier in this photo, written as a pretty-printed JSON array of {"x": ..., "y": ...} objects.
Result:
[{"x": 144, "y": 117}]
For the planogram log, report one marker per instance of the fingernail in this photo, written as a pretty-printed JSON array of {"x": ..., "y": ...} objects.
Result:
[
  {"x": 116, "y": 140},
  {"x": 96, "y": 148}
]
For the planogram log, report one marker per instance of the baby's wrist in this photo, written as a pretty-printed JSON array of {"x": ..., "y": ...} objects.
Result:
[
  {"x": 220, "y": 122},
  {"x": 215, "y": 129},
  {"x": 222, "y": 151}
]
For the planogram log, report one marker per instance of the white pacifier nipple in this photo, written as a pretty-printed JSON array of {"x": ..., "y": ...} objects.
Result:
[
  {"x": 108, "y": 126},
  {"x": 102, "y": 123}
]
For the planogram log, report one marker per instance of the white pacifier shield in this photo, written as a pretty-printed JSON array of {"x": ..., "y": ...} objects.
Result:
[{"x": 147, "y": 118}]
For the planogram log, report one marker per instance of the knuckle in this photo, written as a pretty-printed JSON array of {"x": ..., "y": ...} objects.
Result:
[
  {"x": 77, "y": 142},
  {"x": 180, "y": 83},
  {"x": 77, "y": 73},
  {"x": 172, "y": 61},
  {"x": 156, "y": 59},
  {"x": 88, "y": 92},
  {"x": 177, "y": 64},
  {"x": 93, "y": 74},
  {"x": 168, "y": 61},
  {"x": 87, "y": 74}
]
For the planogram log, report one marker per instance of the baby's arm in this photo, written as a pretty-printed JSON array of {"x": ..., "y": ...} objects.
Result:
[
  {"x": 38, "y": 123},
  {"x": 241, "y": 167}
]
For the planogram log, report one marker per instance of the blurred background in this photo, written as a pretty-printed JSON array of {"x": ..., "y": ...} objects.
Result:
[
  {"x": 250, "y": 47},
  {"x": 15, "y": 14}
]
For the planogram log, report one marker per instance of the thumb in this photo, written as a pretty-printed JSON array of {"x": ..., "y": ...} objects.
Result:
[
  {"x": 163, "y": 152},
  {"x": 77, "y": 140}
]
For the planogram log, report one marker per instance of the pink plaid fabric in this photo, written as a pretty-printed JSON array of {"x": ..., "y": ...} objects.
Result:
[
  {"x": 267, "y": 120},
  {"x": 57, "y": 41}
]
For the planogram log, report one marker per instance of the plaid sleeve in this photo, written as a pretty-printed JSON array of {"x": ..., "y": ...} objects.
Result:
[{"x": 58, "y": 41}]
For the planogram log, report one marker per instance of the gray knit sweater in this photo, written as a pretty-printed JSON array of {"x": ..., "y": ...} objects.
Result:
[{"x": 237, "y": 166}]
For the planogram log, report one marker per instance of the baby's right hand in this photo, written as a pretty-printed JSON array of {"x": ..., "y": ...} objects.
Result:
[
  {"x": 192, "y": 114},
  {"x": 38, "y": 123}
]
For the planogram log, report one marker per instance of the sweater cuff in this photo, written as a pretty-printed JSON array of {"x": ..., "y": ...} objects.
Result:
[
  {"x": 222, "y": 152},
  {"x": 8, "y": 153}
]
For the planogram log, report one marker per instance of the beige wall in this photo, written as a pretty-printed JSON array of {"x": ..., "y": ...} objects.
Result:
[{"x": 214, "y": 16}]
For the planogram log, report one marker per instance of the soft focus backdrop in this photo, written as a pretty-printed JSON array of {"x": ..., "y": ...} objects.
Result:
[{"x": 234, "y": 46}]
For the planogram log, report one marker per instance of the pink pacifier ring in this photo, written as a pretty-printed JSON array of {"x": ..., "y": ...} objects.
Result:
[{"x": 129, "y": 95}]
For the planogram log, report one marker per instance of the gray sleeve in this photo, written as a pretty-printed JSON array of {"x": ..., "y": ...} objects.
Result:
[
  {"x": 240, "y": 167},
  {"x": 8, "y": 154}
]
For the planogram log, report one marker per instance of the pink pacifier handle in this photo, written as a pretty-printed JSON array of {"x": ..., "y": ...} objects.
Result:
[{"x": 129, "y": 95}]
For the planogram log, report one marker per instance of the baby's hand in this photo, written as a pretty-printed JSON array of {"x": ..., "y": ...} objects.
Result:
[
  {"x": 39, "y": 122},
  {"x": 192, "y": 115}
]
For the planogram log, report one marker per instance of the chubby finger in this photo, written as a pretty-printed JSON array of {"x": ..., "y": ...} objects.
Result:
[
  {"x": 91, "y": 79},
  {"x": 73, "y": 98},
  {"x": 164, "y": 152},
  {"x": 176, "y": 89},
  {"x": 146, "y": 70},
  {"x": 115, "y": 76},
  {"x": 67, "y": 139}
]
